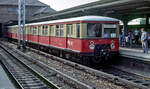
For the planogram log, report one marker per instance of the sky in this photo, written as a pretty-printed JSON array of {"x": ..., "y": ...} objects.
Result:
[{"x": 64, "y": 4}]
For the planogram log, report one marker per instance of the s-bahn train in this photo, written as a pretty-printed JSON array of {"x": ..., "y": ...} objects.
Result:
[{"x": 87, "y": 38}]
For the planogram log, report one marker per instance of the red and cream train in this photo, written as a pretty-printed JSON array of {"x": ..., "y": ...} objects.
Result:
[{"x": 90, "y": 38}]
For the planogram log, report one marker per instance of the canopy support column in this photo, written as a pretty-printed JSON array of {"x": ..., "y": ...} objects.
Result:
[{"x": 125, "y": 26}]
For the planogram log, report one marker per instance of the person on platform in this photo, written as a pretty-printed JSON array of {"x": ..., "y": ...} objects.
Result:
[
  {"x": 144, "y": 40},
  {"x": 123, "y": 40},
  {"x": 136, "y": 32},
  {"x": 130, "y": 38}
]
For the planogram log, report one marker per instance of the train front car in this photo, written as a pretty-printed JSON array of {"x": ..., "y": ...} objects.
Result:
[{"x": 101, "y": 39}]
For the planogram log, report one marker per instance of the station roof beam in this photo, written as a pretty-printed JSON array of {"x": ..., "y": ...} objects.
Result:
[{"x": 112, "y": 8}]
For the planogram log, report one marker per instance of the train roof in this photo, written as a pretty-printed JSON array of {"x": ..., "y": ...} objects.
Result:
[{"x": 83, "y": 18}]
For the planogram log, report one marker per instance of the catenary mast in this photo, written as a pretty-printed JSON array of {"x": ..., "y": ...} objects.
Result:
[{"x": 21, "y": 23}]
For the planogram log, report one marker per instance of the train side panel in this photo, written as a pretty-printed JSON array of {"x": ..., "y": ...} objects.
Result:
[
  {"x": 59, "y": 42},
  {"x": 74, "y": 44},
  {"x": 44, "y": 40}
]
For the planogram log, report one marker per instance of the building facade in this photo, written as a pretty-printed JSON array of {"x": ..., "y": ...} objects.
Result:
[{"x": 9, "y": 11}]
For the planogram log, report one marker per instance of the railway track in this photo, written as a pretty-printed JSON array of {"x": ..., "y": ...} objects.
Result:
[
  {"x": 136, "y": 79},
  {"x": 32, "y": 74},
  {"x": 114, "y": 74},
  {"x": 22, "y": 75},
  {"x": 121, "y": 78}
]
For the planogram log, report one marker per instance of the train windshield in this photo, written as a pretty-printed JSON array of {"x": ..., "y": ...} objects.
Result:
[
  {"x": 94, "y": 30},
  {"x": 109, "y": 31}
]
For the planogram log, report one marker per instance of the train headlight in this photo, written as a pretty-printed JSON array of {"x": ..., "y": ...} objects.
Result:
[
  {"x": 92, "y": 46},
  {"x": 112, "y": 45}
]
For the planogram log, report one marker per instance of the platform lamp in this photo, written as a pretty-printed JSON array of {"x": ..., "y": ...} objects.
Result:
[{"x": 21, "y": 23}]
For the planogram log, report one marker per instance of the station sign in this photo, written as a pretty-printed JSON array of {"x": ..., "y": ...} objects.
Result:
[{"x": 110, "y": 26}]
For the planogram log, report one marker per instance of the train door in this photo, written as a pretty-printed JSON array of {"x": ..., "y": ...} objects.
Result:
[
  {"x": 73, "y": 35},
  {"x": 39, "y": 32},
  {"x": 69, "y": 35}
]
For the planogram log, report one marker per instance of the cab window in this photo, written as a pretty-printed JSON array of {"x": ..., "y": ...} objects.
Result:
[
  {"x": 110, "y": 31},
  {"x": 94, "y": 30}
]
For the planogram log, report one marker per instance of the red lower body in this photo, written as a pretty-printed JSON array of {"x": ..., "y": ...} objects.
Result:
[{"x": 71, "y": 44}]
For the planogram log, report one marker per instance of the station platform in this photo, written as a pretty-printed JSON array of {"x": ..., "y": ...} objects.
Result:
[
  {"x": 136, "y": 53},
  {"x": 5, "y": 82}
]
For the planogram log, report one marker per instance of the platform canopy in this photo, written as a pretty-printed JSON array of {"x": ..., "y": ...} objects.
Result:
[{"x": 120, "y": 9}]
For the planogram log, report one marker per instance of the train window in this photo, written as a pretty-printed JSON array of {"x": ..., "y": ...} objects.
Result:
[
  {"x": 45, "y": 31},
  {"x": 31, "y": 29},
  {"x": 26, "y": 29},
  {"x": 78, "y": 30},
  {"x": 110, "y": 31},
  {"x": 34, "y": 30},
  {"x": 61, "y": 30},
  {"x": 52, "y": 31},
  {"x": 57, "y": 31},
  {"x": 94, "y": 30},
  {"x": 15, "y": 30},
  {"x": 10, "y": 30},
  {"x": 70, "y": 30},
  {"x": 39, "y": 30}
]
